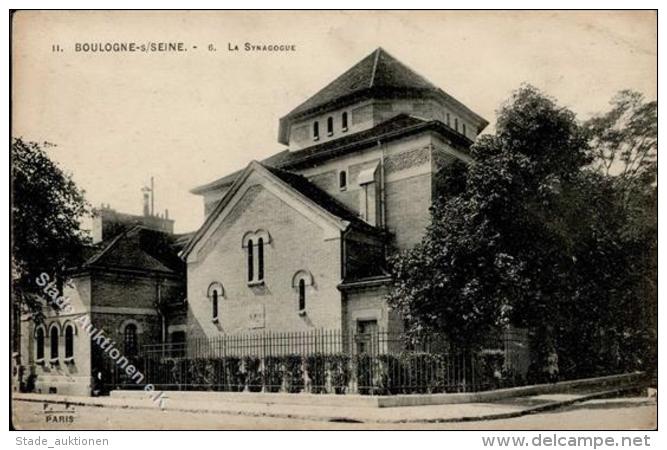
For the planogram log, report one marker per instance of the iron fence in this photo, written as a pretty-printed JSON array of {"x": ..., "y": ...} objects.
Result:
[
  {"x": 297, "y": 343},
  {"x": 322, "y": 361}
]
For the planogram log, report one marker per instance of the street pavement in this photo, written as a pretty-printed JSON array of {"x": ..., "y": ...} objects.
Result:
[{"x": 616, "y": 413}]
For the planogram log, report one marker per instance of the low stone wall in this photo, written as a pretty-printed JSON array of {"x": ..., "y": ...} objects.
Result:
[{"x": 598, "y": 384}]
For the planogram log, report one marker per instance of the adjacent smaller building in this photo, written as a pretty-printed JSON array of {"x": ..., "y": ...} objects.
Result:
[{"x": 130, "y": 287}]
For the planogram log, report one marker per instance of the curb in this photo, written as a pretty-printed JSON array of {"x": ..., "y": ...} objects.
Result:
[
  {"x": 342, "y": 419},
  {"x": 528, "y": 411}
]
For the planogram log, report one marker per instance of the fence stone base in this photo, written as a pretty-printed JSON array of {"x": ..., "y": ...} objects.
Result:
[{"x": 592, "y": 384}]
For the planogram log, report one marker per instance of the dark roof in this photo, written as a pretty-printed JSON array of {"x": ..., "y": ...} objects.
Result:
[
  {"x": 136, "y": 249},
  {"x": 181, "y": 240},
  {"x": 378, "y": 75},
  {"x": 227, "y": 180},
  {"x": 299, "y": 185},
  {"x": 394, "y": 128},
  {"x": 377, "y": 70},
  {"x": 322, "y": 199}
]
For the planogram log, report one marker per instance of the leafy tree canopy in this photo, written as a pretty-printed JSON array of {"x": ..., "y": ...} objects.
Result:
[
  {"x": 527, "y": 234},
  {"x": 46, "y": 209}
]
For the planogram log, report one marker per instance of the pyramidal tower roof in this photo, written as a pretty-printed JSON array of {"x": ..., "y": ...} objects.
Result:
[{"x": 378, "y": 75}]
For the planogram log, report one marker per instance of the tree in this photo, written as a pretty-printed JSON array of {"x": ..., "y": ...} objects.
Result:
[
  {"x": 47, "y": 208},
  {"x": 536, "y": 232},
  {"x": 625, "y": 139},
  {"x": 624, "y": 143},
  {"x": 489, "y": 255}
]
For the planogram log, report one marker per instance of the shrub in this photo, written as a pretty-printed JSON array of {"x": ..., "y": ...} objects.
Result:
[
  {"x": 233, "y": 379},
  {"x": 253, "y": 373},
  {"x": 315, "y": 365},
  {"x": 364, "y": 372},
  {"x": 389, "y": 379},
  {"x": 293, "y": 375},
  {"x": 272, "y": 373},
  {"x": 338, "y": 372},
  {"x": 491, "y": 372}
]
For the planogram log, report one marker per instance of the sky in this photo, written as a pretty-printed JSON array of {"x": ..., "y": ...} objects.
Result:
[{"x": 187, "y": 118}]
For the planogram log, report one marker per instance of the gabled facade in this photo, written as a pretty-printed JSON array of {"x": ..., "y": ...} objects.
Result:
[{"x": 299, "y": 240}]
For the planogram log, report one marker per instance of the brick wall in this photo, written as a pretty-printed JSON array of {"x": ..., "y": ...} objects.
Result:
[{"x": 108, "y": 301}]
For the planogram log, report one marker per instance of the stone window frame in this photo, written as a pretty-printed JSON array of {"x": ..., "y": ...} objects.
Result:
[
  {"x": 69, "y": 325},
  {"x": 121, "y": 331},
  {"x": 54, "y": 326},
  {"x": 259, "y": 238},
  {"x": 330, "y": 126},
  {"x": 41, "y": 346},
  {"x": 343, "y": 174},
  {"x": 215, "y": 292},
  {"x": 301, "y": 281}
]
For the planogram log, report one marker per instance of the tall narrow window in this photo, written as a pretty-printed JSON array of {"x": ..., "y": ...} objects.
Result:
[
  {"x": 214, "y": 305},
  {"x": 342, "y": 180},
  {"x": 215, "y": 293},
  {"x": 300, "y": 281},
  {"x": 54, "y": 342},
  {"x": 464, "y": 129},
  {"x": 449, "y": 124},
  {"x": 69, "y": 341},
  {"x": 260, "y": 259},
  {"x": 456, "y": 124},
  {"x": 316, "y": 131},
  {"x": 302, "y": 295},
  {"x": 344, "y": 121},
  {"x": 39, "y": 342},
  {"x": 330, "y": 126},
  {"x": 251, "y": 273},
  {"x": 130, "y": 339}
]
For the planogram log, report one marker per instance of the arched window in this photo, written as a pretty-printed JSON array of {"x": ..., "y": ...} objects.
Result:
[
  {"x": 130, "y": 340},
  {"x": 260, "y": 259},
  {"x": 300, "y": 282},
  {"x": 330, "y": 126},
  {"x": 39, "y": 343},
  {"x": 464, "y": 129},
  {"x": 251, "y": 274},
  {"x": 456, "y": 123},
  {"x": 344, "y": 121},
  {"x": 55, "y": 342},
  {"x": 69, "y": 341},
  {"x": 255, "y": 256},
  {"x": 214, "y": 305},
  {"x": 302, "y": 295},
  {"x": 316, "y": 131},
  {"x": 449, "y": 123},
  {"x": 215, "y": 292}
]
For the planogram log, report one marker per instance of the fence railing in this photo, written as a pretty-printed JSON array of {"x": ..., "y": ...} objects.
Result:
[
  {"x": 297, "y": 343},
  {"x": 324, "y": 361}
]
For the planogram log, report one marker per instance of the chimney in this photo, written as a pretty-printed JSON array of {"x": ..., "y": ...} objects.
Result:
[
  {"x": 152, "y": 197},
  {"x": 145, "y": 190}
]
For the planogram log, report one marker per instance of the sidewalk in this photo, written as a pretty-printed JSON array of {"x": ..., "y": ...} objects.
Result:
[{"x": 408, "y": 414}]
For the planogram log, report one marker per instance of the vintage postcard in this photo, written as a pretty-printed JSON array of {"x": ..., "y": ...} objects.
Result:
[{"x": 333, "y": 220}]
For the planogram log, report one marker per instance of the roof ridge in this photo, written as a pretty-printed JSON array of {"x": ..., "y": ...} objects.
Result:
[
  {"x": 317, "y": 195},
  {"x": 93, "y": 259},
  {"x": 375, "y": 66}
]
